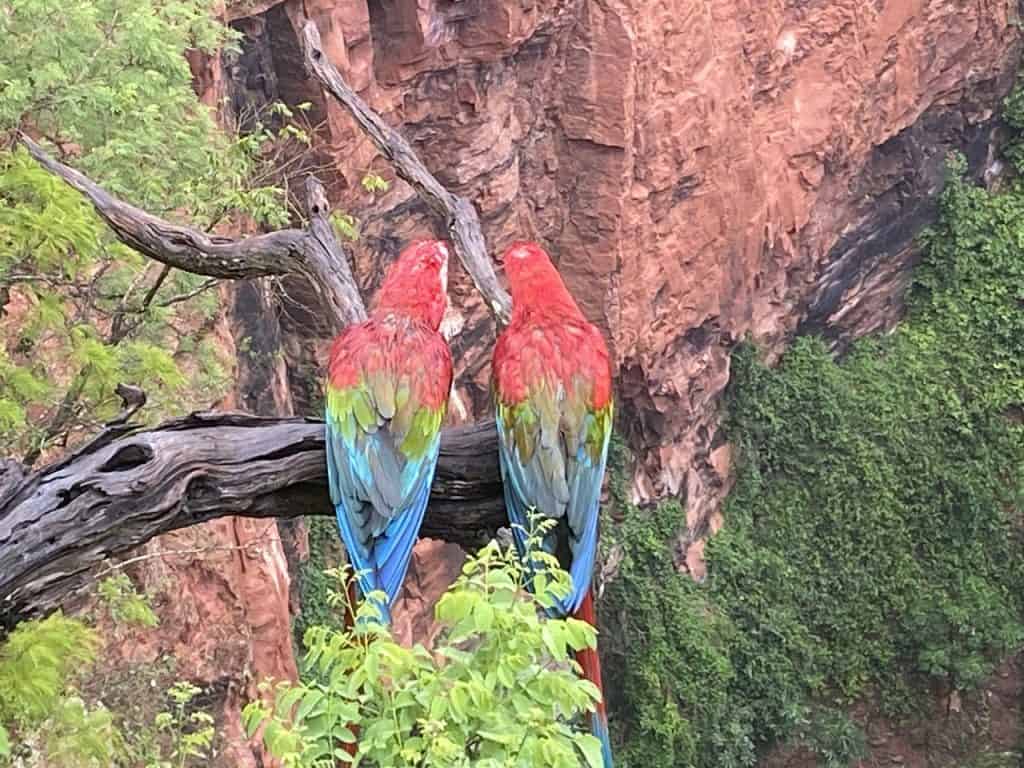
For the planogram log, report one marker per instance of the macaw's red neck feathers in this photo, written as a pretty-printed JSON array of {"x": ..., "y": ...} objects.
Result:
[
  {"x": 416, "y": 284},
  {"x": 536, "y": 286}
]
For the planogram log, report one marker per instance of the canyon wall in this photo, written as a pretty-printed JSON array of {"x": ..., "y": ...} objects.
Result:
[{"x": 700, "y": 171}]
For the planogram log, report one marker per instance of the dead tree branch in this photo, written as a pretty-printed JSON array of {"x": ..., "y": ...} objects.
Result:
[
  {"x": 121, "y": 490},
  {"x": 459, "y": 213},
  {"x": 314, "y": 252}
]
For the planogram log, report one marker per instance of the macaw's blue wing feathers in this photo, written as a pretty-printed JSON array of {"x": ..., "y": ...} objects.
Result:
[
  {"x": 528, "y": 458},
  {"x": 586, "y": 473},
  {"x": 391, "y": 551},
  {"x": 380, "y": 496}
]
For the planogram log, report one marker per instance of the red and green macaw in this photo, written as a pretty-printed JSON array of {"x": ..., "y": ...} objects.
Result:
[
  {"x": 388, "y": 384},
  {"x": 553, "y": 393}
]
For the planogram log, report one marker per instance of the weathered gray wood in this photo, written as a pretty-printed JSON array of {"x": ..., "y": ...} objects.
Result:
[
  {"x": 459, "y": 213},
  {"x": 122, "y": 490},
  {"x": 314, "y": 251}
]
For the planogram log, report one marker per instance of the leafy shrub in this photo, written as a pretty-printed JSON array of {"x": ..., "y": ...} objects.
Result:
[
  {"x": 47, "y": 719},
  {"x": 123, "y": 602},
  {"x": 36, "y": 660},
  {"x": 499, "y": 688},
  {"x": 872, "y": 544}
]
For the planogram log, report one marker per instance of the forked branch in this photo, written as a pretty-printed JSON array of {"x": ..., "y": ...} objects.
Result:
[{"x": 458, "y": 212}]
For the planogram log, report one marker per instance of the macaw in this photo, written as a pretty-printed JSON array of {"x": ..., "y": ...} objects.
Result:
[
  {"x": 553, "y": 396},
  {"x": 388, "y": 383}
]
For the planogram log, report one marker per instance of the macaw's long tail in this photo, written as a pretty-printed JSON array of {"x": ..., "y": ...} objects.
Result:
[{"x": 591, "y": 663}]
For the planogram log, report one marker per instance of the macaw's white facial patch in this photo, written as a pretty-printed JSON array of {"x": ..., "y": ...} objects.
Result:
[{"x": 444, "y": 268}]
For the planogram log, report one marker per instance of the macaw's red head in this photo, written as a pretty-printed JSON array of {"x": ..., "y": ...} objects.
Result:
[
  {"x": 534, "y": 282},
  {"x": 416, "y": 285}
]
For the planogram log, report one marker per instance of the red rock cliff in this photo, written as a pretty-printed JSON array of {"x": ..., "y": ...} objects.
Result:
[{"x": 699, "y": 170}]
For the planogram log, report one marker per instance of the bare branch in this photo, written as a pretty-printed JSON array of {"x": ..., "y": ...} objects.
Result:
[
  {"x": 207, "y": 285},
  {"x": 124, "y": 488},
  {"x": 314, "y": 252},
  {"x": 253, "y": 546},
  {"x": 155, "y": 287},
  {"x": 458, "y": 212}
]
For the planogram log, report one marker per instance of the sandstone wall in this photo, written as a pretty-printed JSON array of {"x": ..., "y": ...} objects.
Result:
[{"x": 700, "y": 170}]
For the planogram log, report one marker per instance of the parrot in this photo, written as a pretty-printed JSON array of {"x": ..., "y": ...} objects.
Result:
[
  {"x": 552, "y": 387},
  {"x": 388, "y": 383}
]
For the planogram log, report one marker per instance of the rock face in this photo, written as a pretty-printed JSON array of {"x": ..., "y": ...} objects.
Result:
[
  {"x": 699, "y": 171},
  {"x": 976, "y": 728}
]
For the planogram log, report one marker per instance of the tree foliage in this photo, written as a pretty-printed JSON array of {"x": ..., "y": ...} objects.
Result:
[
  {"x": 106, "y": 84},
  {"x": 872, "y": 545},
  {"x": 499, "y": 688},
  {"x": 47, "y": 717}
]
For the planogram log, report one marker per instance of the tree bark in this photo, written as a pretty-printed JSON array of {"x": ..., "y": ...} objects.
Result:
[
  {"x": 459, "y": 213},
  {"x": 122, "y": 489}
]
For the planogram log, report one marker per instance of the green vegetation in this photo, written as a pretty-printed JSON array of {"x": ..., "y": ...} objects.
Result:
[
  {"x": 872, "y": 546},
  {"x": 498, "y": 689},
  {"x": 123, "y": 602},
  {"x": 36, "y": 660},
  {"x": 189, "y": 731},
  {"x": 315, "y": 583},
  {"x": 48, "y": 715},
  {"x": 105, "y": 85}
]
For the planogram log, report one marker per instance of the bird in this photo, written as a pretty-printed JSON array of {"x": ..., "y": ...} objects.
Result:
[
  {"x": 387, "y": 389},
  {"x": 552, "y": 387}
]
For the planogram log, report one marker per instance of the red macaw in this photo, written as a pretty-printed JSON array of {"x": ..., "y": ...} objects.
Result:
[
  {"x": 388, "y": 384},
  {"x": 553, "y": 396}
]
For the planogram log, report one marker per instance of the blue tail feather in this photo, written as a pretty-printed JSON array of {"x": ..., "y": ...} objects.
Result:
[{"x": 599, "y": 727}]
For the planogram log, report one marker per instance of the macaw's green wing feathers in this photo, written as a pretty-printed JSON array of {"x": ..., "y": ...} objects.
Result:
[
  {"x": 383, "y": 427},
  {"x": 556, "y": 468},
  {"x": 379, "y": 532}
]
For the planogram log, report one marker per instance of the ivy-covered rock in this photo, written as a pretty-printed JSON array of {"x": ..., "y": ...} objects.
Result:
[{"x": 872, "y": 543}]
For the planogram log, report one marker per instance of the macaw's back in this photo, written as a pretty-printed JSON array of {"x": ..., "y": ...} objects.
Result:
[
  {"x": 387, "y": 391},
  {"x": 554, "y": 410}
]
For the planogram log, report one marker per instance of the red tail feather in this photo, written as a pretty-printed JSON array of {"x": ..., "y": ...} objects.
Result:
[
  {"x": 588, "y": 658},
  {"x": 350, "y": 608}
]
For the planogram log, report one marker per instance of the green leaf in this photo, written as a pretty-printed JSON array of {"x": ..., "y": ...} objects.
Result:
[
  {"x": 312, "y": 704},
  {"x": 483, "y": 616}
]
